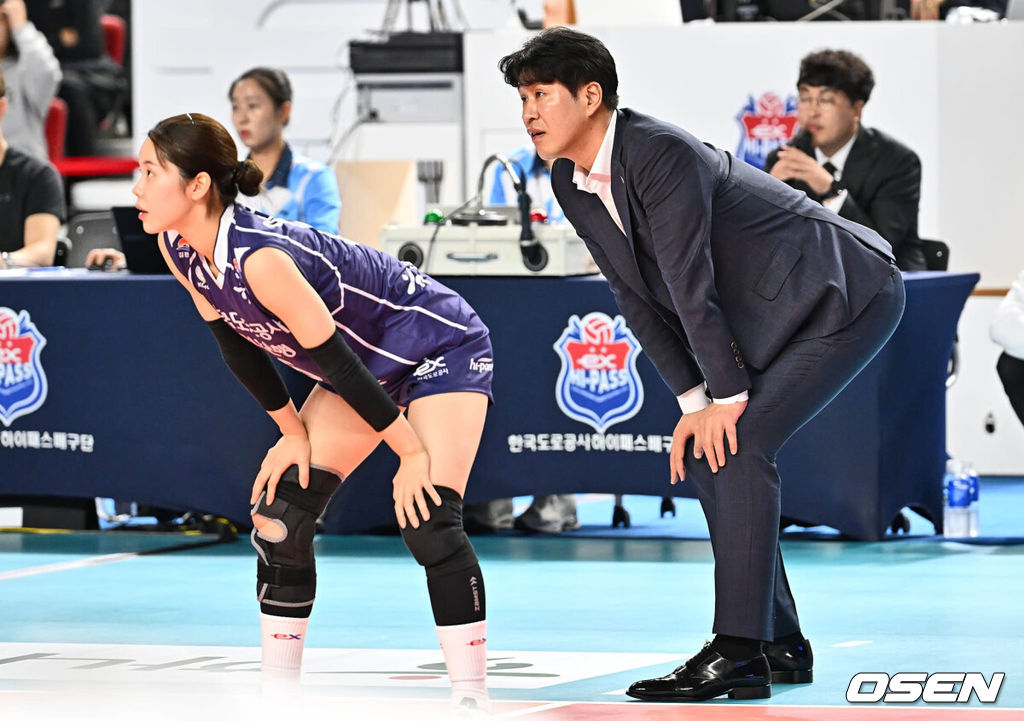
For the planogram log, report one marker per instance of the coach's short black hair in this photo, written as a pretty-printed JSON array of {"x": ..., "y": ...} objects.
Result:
[
  {"x": 569, "y": 57},
  {"x": 838, "y": 69}
]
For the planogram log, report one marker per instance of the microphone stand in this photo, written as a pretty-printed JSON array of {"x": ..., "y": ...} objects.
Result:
[{"x": 535, "y": 257}]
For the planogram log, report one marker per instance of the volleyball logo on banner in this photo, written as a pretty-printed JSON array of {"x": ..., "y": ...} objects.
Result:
[
  {"x": 765, "y": 124},
  {"x": 22, "y": 380},
  {"x": 598, "y": 384}
]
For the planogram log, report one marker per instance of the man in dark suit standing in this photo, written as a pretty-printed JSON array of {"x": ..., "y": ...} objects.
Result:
[
  {"x": 739, "y": 288},
  {"x": 860, "y": 173}
]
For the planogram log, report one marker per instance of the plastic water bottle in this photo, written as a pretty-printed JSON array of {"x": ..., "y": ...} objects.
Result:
[
  {"x": 956, "y": 501},
  {"x": 973, "y": 486}
]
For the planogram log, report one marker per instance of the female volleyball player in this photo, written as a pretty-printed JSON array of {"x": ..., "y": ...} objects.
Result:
[{"x": 377, "y": 335}]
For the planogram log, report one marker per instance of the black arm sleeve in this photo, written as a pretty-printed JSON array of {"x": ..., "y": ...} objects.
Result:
[
  {"x": 353, "y": 382},
  {"x": 251, "y": 366}
]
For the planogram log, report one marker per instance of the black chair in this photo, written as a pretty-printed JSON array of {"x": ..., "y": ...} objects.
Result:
[
  {"x": 60, "y": 256},
  {"x": 88, "y": 231},
  {"x": 936, "y": 254}
]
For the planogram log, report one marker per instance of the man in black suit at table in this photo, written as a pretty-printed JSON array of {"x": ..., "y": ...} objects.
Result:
[
  {"x": 737, "y": 286},
  {"x": 860, "y": 173}
]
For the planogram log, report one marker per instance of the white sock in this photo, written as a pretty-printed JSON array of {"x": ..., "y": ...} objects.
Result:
[
  {"x": 282, "y": 639},
  {"x": 465, "y": 655}
]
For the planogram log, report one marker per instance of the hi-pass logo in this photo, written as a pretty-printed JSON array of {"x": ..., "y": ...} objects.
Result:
[
  {"x": 22, "y": 380},
  {"x": 598, "y": 384},
  {"x": 910, "y": 687},
  {"x": 765, "y": 124}
]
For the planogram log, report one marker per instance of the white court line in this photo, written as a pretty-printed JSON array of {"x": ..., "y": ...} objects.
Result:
[{"x": 66, "y": 565}]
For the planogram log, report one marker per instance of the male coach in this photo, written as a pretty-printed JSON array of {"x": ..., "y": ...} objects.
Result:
[{"x": 737, "y": 286}]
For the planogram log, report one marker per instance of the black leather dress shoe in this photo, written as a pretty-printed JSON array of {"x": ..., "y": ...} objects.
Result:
[
  {"x": 791, "y": 662},
  {"x": 706, "y": 675}
]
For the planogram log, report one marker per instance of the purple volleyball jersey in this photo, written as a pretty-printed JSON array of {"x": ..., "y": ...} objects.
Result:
[{"x": 391, "y": 315}]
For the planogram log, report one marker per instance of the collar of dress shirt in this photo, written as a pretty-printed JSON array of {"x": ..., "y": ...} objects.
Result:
[
  {"x": 838, "y": 158},
  {"x": 600, "y": 175}
]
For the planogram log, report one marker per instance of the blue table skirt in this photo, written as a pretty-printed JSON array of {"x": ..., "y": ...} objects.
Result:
[{"x": 134, "y": 381}]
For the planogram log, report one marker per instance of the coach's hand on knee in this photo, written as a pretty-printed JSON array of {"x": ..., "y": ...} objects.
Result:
[
  {"x": 411, "y": 486},
  {"x": 717, "y": 425},
  {"x": 290, "y": 449}
]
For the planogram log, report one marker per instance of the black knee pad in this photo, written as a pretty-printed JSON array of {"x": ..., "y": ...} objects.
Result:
[
  {"x": 285, "y": 569},
  {"x": 454, "y": 580},
  {"x": 440, "y": 545}
]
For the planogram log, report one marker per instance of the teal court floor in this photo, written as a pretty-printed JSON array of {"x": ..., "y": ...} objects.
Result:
[{"x": 131, "y": 625}]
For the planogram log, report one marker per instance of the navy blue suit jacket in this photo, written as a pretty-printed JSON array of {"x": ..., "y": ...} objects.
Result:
[
  {"x": 721, "y": 265},
  {"x": 883, "y": 180}
]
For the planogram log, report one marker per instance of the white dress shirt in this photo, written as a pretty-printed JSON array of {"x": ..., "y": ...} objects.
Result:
[{"x": 838, "y": 160}]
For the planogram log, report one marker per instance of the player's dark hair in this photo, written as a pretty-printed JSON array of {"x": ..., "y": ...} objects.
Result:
[
  {"x": 3, "y": 84},
  {"x": 566, "y": 56},
  {"x": 273, "y": 82},
  {"x": 840, "y": 70},
  {"x": 197, "y": 143}
]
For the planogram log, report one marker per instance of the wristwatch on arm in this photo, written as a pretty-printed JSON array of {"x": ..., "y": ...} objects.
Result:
[{"x": 834, "y": 191}]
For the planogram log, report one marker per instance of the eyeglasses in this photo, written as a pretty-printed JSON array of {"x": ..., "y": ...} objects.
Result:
[{"x": 825, "y": 102}]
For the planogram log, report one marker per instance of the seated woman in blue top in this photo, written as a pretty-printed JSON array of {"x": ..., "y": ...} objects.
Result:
[
  {"x": 294, "y": 187},
  {"x": 376, "y": 335}
]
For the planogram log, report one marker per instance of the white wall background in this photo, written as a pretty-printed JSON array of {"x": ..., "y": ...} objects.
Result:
[{"x": 949, "y": 91}]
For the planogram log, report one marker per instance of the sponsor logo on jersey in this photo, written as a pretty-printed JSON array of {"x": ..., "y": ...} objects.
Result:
[
  {"x": 765, "y": 124},
  {"x": 236, "y": 262},
  {"x": 181, "y": 247},
  {"x": 199, "y": 279},
  {"x": 431, "y": 368},
  {"x": 598, "y": 384},
  {"x": 481, "y": 365},
  {"x": 22, "y": 380},
  {"x": 414, "y": 280}
]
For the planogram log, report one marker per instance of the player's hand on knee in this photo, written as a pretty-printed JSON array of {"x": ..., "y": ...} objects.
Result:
[
  {"x": 290, "y": 450},
  {"x": 412, "y": 485},
  {"x": 685, "y": 428}
]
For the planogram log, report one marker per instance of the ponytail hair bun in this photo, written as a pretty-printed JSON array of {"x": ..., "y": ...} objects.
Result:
[{"x": 248, "y": 177}]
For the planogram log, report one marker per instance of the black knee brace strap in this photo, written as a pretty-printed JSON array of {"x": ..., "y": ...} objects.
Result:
[
  {"x": 285, "y": 568},
  {"x": 440, "y": 545}
]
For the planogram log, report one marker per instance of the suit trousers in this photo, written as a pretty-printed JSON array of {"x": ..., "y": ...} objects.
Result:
[{"x": 742, "y": 502}]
